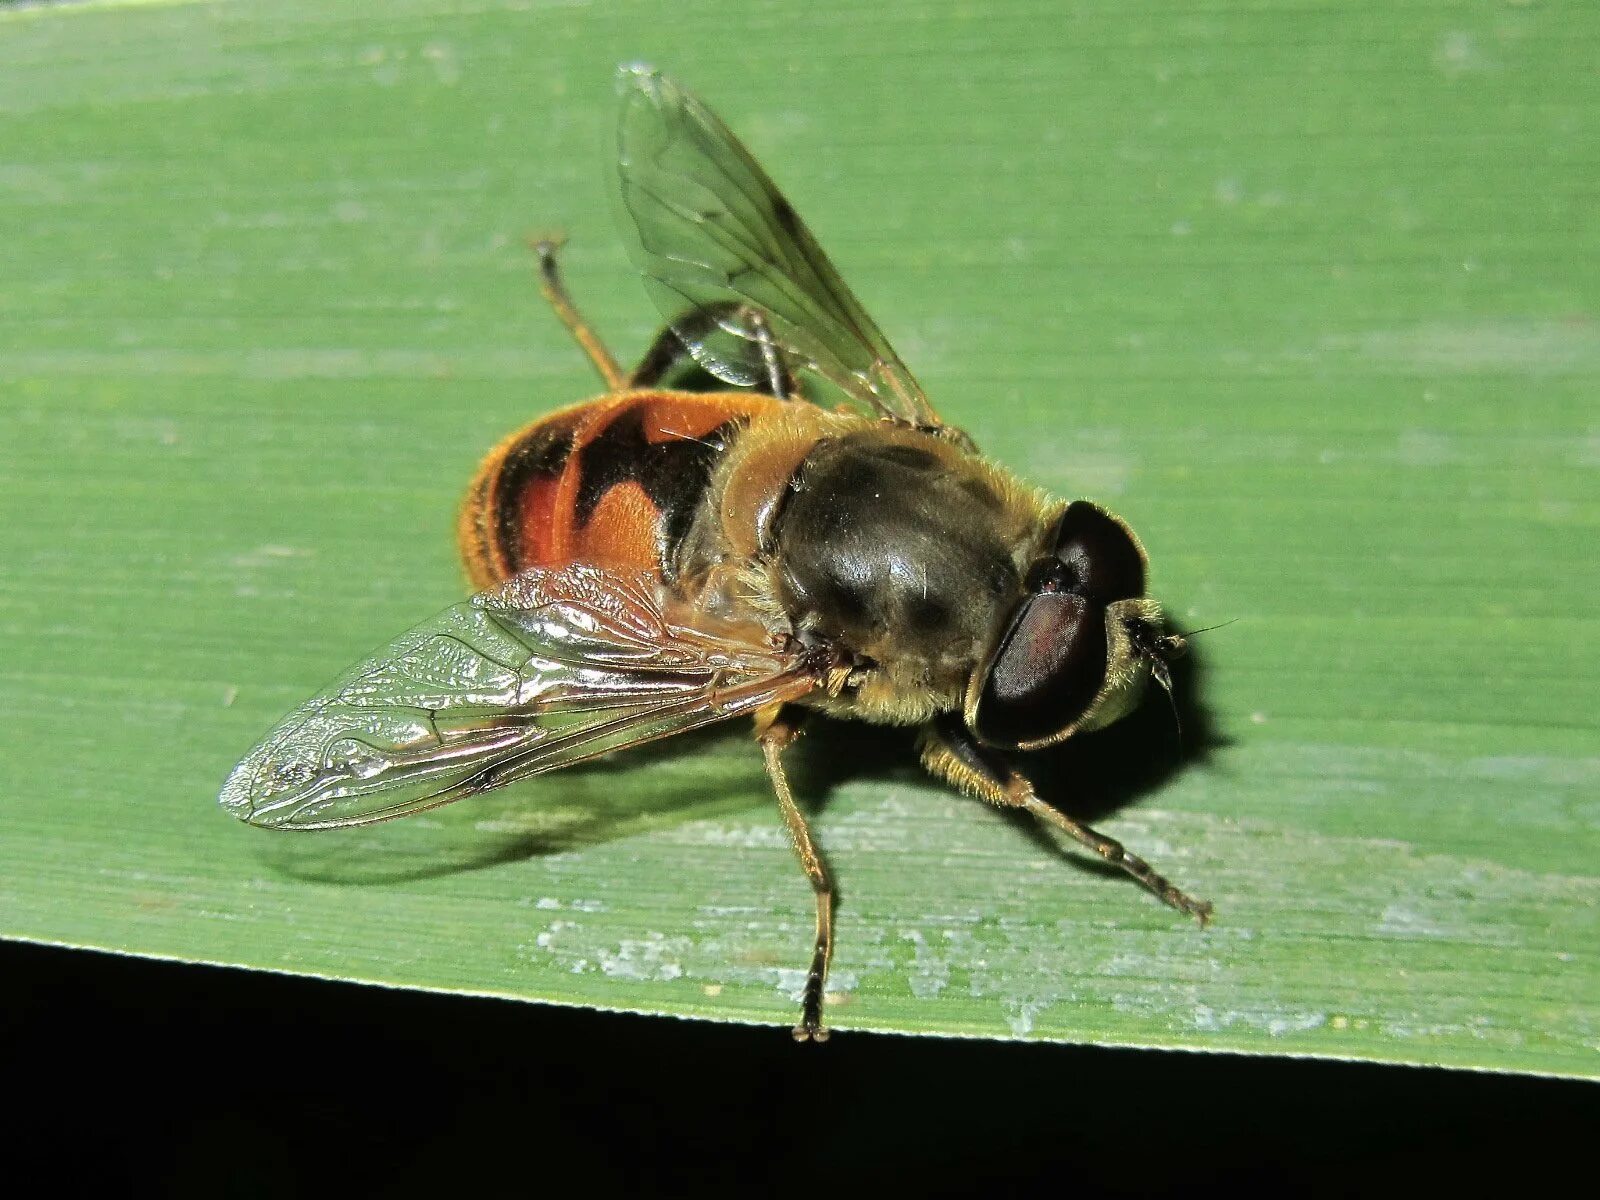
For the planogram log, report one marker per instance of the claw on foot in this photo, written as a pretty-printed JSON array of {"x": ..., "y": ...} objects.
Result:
[
  {"x": 1200, "y": 910},
  {"x": 810, "y": 1031}
]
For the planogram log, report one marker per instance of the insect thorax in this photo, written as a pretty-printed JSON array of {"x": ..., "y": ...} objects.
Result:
[{"x": 905, "y": 552}]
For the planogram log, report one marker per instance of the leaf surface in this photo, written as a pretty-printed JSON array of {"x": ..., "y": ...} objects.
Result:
[{"x": 1307, "y": 293}]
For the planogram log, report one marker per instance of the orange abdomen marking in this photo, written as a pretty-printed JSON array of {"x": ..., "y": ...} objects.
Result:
[{"x": 614, "y": 482}]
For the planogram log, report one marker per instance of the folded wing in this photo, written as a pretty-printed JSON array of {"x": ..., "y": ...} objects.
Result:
[
  {"x": 731, "y": 265},
  {"x": 552, "y": 668}
]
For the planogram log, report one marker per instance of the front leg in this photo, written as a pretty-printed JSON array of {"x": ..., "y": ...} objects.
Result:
[{"x": 953, "y": 754}]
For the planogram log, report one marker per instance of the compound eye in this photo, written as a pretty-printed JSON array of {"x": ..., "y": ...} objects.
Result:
[
  {"x": 1046, "y": 671},
  {"x": 1099, "y": 554}
]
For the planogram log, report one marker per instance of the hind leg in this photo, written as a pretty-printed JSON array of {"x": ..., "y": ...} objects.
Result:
[{"x": 555, "y": 294}]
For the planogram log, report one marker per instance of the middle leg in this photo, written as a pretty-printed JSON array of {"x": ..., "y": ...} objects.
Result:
[{"x": 777, "y": 729}]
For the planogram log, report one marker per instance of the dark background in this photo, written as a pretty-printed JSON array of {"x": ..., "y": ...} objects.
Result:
[{"x": 164, "y": 1079}]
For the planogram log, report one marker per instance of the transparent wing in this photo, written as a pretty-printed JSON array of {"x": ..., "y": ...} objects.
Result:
[
  {"x": 731, "y": 265},
  {"x": 550, "y": 669}
]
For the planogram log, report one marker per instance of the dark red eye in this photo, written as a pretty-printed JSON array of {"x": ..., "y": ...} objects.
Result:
[
  {"x": 1049, "y": 667},
  {"x": 1098, "y": 554}
]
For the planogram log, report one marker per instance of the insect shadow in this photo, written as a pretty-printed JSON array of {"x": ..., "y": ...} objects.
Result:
[
  {"x": 1092, "y": 777},
  {"x": 702, "y": 775},
  {"x": 1089, "y": 778},
  {"x": 717, "y": 773}
]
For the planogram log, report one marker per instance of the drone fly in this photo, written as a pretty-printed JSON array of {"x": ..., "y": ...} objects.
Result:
[{"x": 804, "y": 534}]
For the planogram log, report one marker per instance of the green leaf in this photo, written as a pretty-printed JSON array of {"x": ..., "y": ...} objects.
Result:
[{"x": 1308, "y": 293}]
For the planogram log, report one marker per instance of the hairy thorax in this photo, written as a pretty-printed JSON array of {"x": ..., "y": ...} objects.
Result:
[{"x": 895, "y": 548}]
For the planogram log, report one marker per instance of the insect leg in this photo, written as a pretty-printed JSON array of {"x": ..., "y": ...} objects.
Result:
[
  {"x": 777, "y": 730},
  {"x": 771, "y": 358},
  {"x": 951, "y": 753},
  {"x": 666, "y": 352},
  {"x": 555, "y": 294},
  {"x": 671, "y": 350}
]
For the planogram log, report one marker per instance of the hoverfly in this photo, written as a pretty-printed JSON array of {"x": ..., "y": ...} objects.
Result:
[{"x": 808, "y": 535}]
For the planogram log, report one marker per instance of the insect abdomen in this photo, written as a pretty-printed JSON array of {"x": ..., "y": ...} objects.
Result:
[{"x": 614, "y": 482}]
